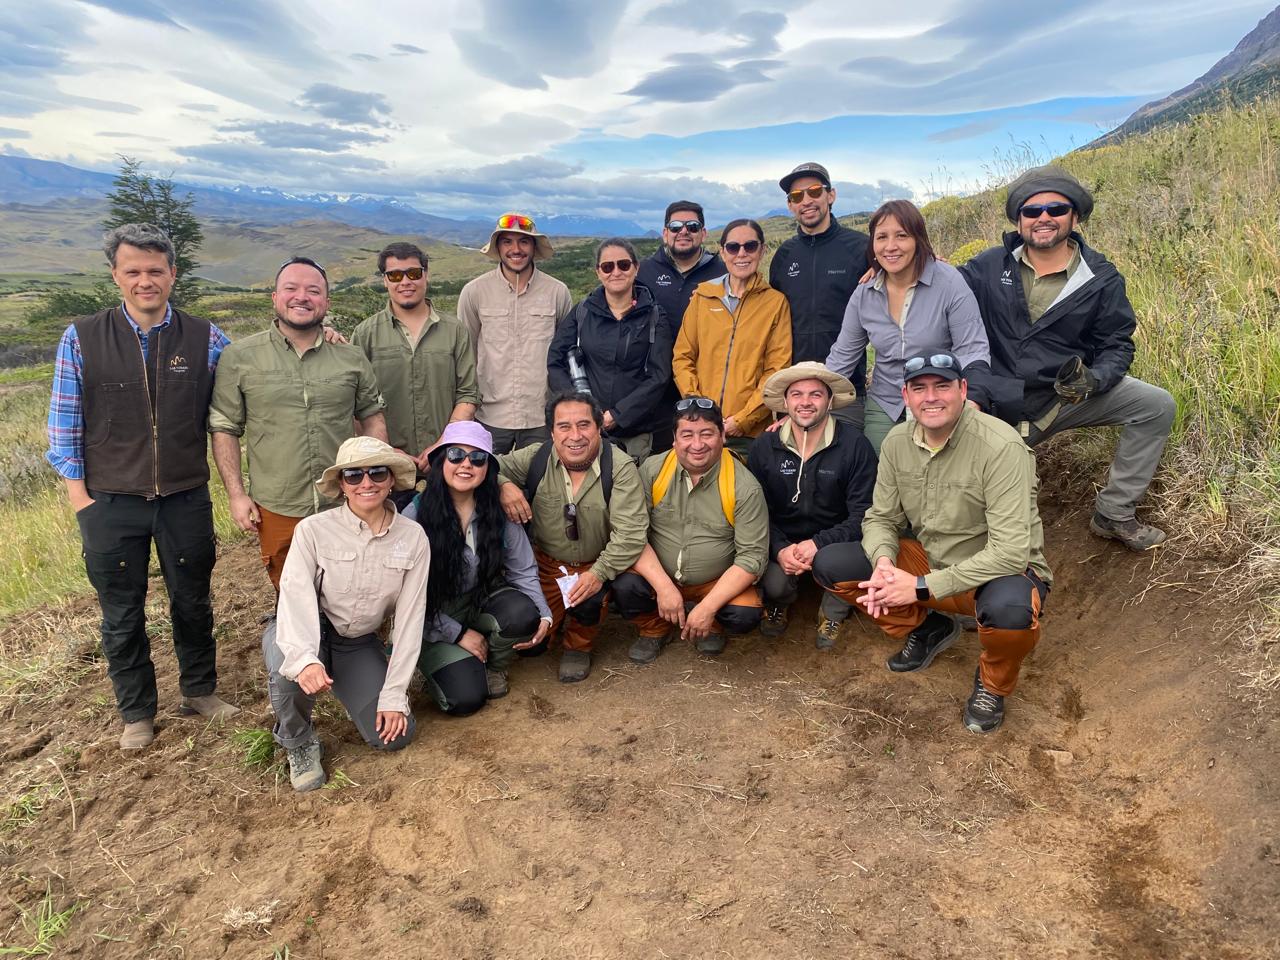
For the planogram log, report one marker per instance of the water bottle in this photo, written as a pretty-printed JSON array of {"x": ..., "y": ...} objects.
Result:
[{"x": 578, "y": 371}]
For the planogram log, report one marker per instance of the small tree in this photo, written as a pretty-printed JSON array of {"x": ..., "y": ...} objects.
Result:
[{"x": 139, "y": 197}]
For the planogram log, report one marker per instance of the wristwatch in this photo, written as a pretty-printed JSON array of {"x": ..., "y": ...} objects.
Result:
[{"x": 922, "y": 590}]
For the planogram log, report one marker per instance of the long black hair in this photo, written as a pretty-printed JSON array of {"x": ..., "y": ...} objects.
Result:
[{"x": 439, "y": 519}]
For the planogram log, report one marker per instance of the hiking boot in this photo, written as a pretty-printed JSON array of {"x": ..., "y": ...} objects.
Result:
[
  {"x": 712, "y": 645},
  {"x": 985, "y": 710},
  {"x": 138, "y": 734},
  {"x": 968, "y": 624},
  {"x": 574, "y": 666},
  {"x": 828, "y": 630},
  {"x": 1132, "y": 533},
  {"x": 210, "y": 705},
  {"x": 924, "y": 643},
  {"x": 646, "y": 649},
  {"x": 774, "y": 623},
  {"x": 305, "y": 771},
  {"x": 497, "y": 681}
]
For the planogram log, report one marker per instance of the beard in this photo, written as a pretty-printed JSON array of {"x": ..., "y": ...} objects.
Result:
[{"x": 302, "y": 327}]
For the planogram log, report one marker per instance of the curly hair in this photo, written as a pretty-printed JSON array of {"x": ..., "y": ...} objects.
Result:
[{"x": 447, "y": 577}]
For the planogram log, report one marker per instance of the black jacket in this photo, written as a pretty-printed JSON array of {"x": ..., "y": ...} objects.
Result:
[
  {"x": 818, "y": 274},
  {"x": 1094, "y": 321},
  {"x": 835, "y": 488},
  {"x": 627, "y": 369},
  {"x": 671, "y": 288}
]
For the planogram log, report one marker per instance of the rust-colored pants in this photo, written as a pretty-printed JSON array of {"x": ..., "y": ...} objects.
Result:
[
  {"x": 581, "y": 623},
  {"x": 1007, "y": 608},
  {"x": 637, "y": 602},
  {"x": 275, "y": 533}
]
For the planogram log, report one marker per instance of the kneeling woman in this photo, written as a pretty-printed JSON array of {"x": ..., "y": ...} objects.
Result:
[
  {"x": 348, "y": 568},
  {"x": 484, "y": 604}
]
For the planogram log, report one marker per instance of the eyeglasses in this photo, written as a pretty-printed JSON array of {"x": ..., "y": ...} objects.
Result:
[
  {"x": 688, "y": 403},
  {"x": 353, "y": 476},
  {"x": 733, "y": 246},
  {"x": 571, "y": 521},
  {"x": 305, "y": 261},
  {"x": 514, "y": 221},
  {"x": 395, "y": 276},
  {"x": 478, "y": 458},
  {"x": 1032, "y": 211},
  {"x": 693, "y": 226},
  {"x": 943, "y": 360},
  {"x": 623, "y": 265},
  {"x": 815, "y": 191}
]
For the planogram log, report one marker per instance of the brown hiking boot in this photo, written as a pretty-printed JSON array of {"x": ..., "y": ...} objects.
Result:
[
  {"x": 1132, "y": 533},
  {"x": 828, "y": 631},
  {"x": 138, "y": 734},
  {"x": 210, "y": 705},
  {"x": 774, "y": 623}
]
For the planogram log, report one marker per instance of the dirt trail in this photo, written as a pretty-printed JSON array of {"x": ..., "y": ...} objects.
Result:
[{"x": 776, "y": 802}]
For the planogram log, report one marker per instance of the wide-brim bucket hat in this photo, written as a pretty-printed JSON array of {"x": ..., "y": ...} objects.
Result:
[
  {"x": 465, "y": 432},
  {"x": 512, "y": 222},
  {"x": 368, "y": 452},
  {"x": 775, "y": 388}
]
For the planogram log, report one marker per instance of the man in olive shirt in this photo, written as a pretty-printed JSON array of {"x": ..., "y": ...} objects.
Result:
[
  {"x": 966, "y": 484},
  {"x": 292, "y": 396},
  {"x": 586, "y": 516},
  {"x": 708, "y": 541},
  {"x": 422, "y": 358}
]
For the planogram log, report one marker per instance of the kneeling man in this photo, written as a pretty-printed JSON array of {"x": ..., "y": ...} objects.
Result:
[
  {"x": 966, "y": 484},
  {"x": 708, "y": 541}
]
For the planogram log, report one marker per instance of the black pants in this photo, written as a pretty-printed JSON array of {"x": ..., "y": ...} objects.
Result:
[
  {"x": 635, "y": 596},
  {"x": 116, "y": 531},
  {"x": 834, "y": 565}
]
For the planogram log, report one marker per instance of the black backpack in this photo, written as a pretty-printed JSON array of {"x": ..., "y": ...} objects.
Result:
[{"x": 538, "y": 469}]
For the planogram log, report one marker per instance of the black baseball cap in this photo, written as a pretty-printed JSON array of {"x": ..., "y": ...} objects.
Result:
[
  {"x": 805, "y": 170},
  {"x": 943, "y": 365}
]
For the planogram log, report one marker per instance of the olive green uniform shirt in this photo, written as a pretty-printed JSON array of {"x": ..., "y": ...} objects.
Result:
[
  {"x": 972, "y": 504},
  {"x": 1043, "y": 292},
  {"x": 610, "y": 537},
  {"x": 292, "y": 411},
  {"x": 691, "y": 535},
  {"x": 421, "y": 382}
]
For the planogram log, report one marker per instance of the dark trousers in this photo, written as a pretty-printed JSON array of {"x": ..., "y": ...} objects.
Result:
[
  {"x": 638, "y": 602},
  {"x": 837, "y": 568},
  {"x": 116, "y": 531}
]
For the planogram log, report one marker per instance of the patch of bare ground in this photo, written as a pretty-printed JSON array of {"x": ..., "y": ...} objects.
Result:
[{"x": 776, "y": 802}]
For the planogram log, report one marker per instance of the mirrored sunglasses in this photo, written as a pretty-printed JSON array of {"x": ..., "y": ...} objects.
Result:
[
  {"x": 395, "y": 276},
  {"x": 815, "y": 191}
]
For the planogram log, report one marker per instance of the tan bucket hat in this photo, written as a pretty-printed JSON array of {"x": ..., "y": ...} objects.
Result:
[
  {"x": 775, "y": 388},
  {"x": 512, "y": 222},
  {"x": 368, "y": 452}
]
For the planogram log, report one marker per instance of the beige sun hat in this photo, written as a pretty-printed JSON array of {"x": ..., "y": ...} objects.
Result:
[
  {"x": 775, "y": 388},
  {"x": 512, "y": 222},
  {"x": 368, "y": 452}
]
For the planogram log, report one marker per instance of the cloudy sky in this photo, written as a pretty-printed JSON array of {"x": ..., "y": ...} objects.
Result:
[{"x": 467, "y": 107}]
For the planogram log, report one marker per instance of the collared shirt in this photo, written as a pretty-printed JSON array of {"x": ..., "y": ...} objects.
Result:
[
  {"x": 971, "y": 503},
  {"x": 360, "y": 579},
  {"x": 610, "y": 536},
  {"x": 939, "y": 313},
  {"x": 66, "y": 406},
  {"x": 511, "y": 334},
  {"x": 293, "y": 411},
  {"x": 689, "y": 532},
  {"x": 1043, "y": 291},
  {"x": 421, "y": 381}
]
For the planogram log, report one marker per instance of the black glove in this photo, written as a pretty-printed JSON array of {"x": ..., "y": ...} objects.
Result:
[{"x": 1075, "y": 381}]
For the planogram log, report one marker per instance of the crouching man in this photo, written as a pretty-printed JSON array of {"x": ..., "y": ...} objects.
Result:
[
  {"x": 966, "y": 484},
  {"x": 708, "y": 542}
]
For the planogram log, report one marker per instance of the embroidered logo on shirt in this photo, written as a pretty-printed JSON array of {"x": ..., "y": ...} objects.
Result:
[
  {"x": 178, "y": 364},
  {"x": 836, "y": 273},
  {"x": 794, "y": 269},
  {"x": 1006, "y": 278},
  {"x": 663, "y": 280}
]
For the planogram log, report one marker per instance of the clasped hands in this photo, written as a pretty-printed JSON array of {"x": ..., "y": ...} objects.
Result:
[{"x": 888, "y": 587}]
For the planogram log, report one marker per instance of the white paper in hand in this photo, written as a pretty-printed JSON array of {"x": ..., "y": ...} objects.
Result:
[{"x": 567, "y": 583}]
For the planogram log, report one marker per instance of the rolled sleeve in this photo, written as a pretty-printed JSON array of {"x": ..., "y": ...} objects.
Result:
[
  {"x": 226, "y": 407},
  {"x": 750, "y": 529}
]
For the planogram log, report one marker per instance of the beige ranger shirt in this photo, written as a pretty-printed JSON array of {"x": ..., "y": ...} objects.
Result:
[
  {"x": 360, "y": 579},
  {"x": 511, "y": 334}
]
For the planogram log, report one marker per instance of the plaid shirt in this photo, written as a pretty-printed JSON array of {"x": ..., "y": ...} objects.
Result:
[{"x": 66, "y": 406}]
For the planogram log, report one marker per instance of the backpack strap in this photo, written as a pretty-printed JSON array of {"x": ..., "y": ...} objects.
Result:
[
  {"x": 663, "y": 480},
  {"x": 724, "y": 482},
  {"x": 606, "y": 469},
  {"x": 538, "y": 470}
]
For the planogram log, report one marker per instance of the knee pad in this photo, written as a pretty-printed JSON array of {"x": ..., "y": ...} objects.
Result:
[{"x": 1005, "y": 616}]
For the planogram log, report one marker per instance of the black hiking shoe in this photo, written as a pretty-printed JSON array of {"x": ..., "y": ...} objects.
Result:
[
  {"x": 985, "y": 710},
  {"x": 774, "y": 623},
  {"x": 924, "y": 643}
]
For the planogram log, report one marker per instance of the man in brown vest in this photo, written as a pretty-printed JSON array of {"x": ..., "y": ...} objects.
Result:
[{"x": 130, "y": 382}]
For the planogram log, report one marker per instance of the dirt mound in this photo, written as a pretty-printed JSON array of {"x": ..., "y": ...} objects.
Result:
[{"x": 776, "y": 802}]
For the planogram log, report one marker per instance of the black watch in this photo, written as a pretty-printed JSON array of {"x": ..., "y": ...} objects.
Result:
[{"x": 922, "y": 590}]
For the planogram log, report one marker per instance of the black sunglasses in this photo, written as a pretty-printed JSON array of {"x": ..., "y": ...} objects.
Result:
[
  {"x": 395, "y": 276},
  {"x": 733, "y": 246},
  {"x": 944, "y": 360},
  {"x": 353, "y": 476},
  {"x": 688, "y": 403},
  {"x": 606, "y": 266},
  {"x": 1032, "y": 211},
  {"x": 478, "y": 458},
  {"x": 305, "y": 261},
  {"x": 571, "y": 521},
  {"x": 693, "y": 226}
]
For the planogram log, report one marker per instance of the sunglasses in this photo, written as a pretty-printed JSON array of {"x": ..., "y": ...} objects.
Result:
[
  {"x": 514, "y": 221},
  {"x": 305, "y": 261},
  {"x": 688, "y": 403},
  {"x": 478, "y": 458},
  {"x": 815, "y": 191},
  {"x": 693, "y": 226},
  {"x": 623, "y": 265},
  {"x": 353, "y": 476},
  {"x": 571, "y": 521},
  {"x": 395, "y": 276},
  {"x": 1032, "y": 211},
  {"x": 943, "y": 360},
  {"x": 733, "y": 246}
]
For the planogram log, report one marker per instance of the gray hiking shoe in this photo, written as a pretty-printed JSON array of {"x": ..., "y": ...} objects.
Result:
[
  {"x": 497, "y": 681},
  {"x": 646, "y": 649},
  {"x": 828, "y": 632},
  {"x": 210, "y": 706},
  {"x": 575, "y": 665},
  {"x": 1132, "y": 533},
  {"x": 138, "y": 734},
  {"x": 985, "y": 710},
  {"x": 712, "y": 645},
  {"x": 774, "y": 623},
  {"x": 305, "y": 771}
]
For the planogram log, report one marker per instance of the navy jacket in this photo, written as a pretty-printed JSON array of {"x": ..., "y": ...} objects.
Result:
[{"x": 672, "y": 289}]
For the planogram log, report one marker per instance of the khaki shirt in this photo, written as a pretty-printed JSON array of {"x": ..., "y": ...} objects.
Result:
[
  {"x": 611, "y": 538},
  {"x": 972, "y": 504},
  {"x": 293, "y": 412},
  {"x": 690, "y": 533},
  {"x": 421, "y": 382},
  {"x": 360, "y": 578},
  {"x": 1042, "y": 292},
  {"x": 512, "y": 334}
]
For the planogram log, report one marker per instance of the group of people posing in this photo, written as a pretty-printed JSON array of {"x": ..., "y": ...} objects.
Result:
[{"x": 690, "y": 443}]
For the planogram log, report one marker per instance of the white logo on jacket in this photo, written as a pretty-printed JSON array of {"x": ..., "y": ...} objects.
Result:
[
  {"x": 794, "y": 269},
  {"x": 663, "y": 280}
]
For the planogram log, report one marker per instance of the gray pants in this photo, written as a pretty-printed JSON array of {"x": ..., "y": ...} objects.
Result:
[
  {"x": 1146, "y": 414},
  {"x": 854, "y": 413},
  {"x": 505, "y": 440},
  {"x": 358, "y": 667}
]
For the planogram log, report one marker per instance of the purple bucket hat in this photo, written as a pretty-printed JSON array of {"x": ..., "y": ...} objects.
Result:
[{"x": 466, "y": 432}]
